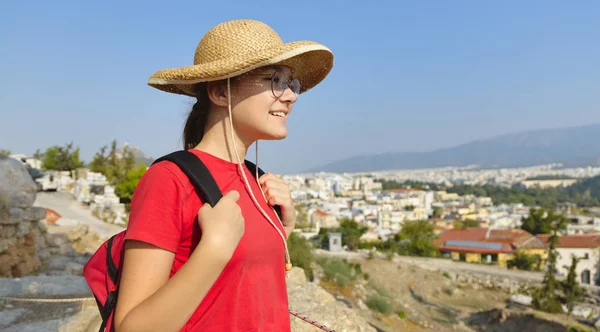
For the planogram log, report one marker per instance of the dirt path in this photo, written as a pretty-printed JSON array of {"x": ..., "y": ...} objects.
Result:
[{"x": 73, "y": 213}]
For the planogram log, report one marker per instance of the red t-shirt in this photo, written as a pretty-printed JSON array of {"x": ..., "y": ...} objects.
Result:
[{"x": 250, "y": 294}]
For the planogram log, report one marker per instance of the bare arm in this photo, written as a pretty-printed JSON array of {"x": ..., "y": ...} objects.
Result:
[{"x": 149, "y": 300}]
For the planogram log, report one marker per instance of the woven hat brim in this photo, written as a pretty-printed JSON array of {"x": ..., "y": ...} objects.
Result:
[{"x": 310, "y": 62}]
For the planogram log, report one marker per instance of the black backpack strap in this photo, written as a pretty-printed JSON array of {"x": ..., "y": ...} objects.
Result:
[
  {"x": 252, "y": 168},
  {"x": 197, "y": 173}
]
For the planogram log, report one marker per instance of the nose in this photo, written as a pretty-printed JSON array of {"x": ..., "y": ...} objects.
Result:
[{"x": 288, "y": 96}]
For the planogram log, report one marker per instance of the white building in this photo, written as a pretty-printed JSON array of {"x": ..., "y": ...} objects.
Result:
[{"x": 586, "y": 247}]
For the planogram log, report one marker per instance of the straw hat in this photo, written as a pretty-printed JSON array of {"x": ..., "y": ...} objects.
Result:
[{"x": 236, "y": 47}]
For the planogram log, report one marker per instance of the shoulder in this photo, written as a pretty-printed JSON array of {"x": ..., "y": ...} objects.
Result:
[{"x": 164, "y": 178}]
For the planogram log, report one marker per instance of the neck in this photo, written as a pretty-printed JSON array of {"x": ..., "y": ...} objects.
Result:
[{"x": 217, "y": 139}]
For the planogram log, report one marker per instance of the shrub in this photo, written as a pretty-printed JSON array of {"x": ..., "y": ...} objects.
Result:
[
  {"x": 340, "y": 272},
  {"x": 379, "y": 304},
  {"x": 301, "y": 254}
]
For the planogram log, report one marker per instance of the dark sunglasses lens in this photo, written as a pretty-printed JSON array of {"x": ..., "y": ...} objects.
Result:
[
  {"x": 280, "y": 83},
  {"x": 295, "y": 86}
]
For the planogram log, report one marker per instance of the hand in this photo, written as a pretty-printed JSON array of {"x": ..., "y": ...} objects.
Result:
[
  {"x": 277, "y": 192},
  {"x": 223, "y": 224}
]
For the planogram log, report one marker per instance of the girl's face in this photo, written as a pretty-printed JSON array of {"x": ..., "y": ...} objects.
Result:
[{"x": 262, "y": 101}]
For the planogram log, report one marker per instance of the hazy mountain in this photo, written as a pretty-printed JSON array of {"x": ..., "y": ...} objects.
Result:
[
  {"x": 140, "y": 156},
  {"x": 573, "y": 146}
]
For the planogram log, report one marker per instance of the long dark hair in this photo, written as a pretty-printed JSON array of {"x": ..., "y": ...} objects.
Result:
[{"x": 196, "y": 121}]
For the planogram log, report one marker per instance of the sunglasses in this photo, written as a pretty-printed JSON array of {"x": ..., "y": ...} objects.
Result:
[{"x": 279, "y": 83}]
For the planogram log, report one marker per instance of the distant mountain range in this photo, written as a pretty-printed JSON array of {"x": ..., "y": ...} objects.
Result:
[{"x": 572, "y": 146}]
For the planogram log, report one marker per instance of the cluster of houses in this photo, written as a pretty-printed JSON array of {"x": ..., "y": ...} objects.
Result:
[{"x": 492, "y": 237}]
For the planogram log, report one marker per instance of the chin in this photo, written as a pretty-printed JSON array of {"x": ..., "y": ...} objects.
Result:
[{"x": 275, "y": 135}]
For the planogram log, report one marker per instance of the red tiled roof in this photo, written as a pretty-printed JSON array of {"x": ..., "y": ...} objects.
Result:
[
  {"x": 321, "y": 212},
  {"x": 573, "y": 241},
  {"x": 504, "y": 240}
]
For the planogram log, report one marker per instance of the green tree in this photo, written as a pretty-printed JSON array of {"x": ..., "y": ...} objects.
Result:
[
  {"x": 438, "y": 211},
  {"x": 113, "y": 168},
  {"x": 128, "y": 160},
  {"x": 546, "y": 297},
  {"x": 469, "y": 223},
  {"x": 351, "y": 232},
  {"x": 301, "y": 254},
  {"x": 100, "y": 161},
  {"x": 416, "y": 239},
  {"x": 572, "y": 291},
  {"x": 62, "y": 158},
  {"x": 540, "y": 221},
  {"x": 126, "y": 188},
  {"x": 523, "y": 261},
  {"x": 5, "y": 152}
]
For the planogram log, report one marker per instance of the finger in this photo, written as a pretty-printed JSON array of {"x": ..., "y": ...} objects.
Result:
[
  {"x": 274, "y": 192},
  {"x": 233, "y": 195},
  {"x": 270, "y": 176},
  {"x": 273, "y": 201},
  {"x": 205, "y": 206},
  {"x": 264, "y": 178},
  {"x": 275, "y": 185},
  {"x": 279, "y": 196}
]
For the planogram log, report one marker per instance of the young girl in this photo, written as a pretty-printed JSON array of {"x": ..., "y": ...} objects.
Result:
[{"x": 192, "y": 267}]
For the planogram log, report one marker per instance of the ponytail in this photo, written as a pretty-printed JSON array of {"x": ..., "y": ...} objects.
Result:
[{"x": 196, "y": 121}]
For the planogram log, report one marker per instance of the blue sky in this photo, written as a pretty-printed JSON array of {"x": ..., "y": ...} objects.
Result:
[{"x": 408, "y": 76}]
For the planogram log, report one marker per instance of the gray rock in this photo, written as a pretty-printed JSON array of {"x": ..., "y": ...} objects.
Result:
[
  {"x": 582, "y": 311},
  {"x": 66, "y": 249},
  {"x": 316, "y": 303},
  {"x": 58, "y": 263},
  {"x": 521, "y": 299},
  {"x": 17, "y": 188},
  {"x": 56, "y": 240},
  {"x": 8, "y": 317},
  {"x": 87, "y": 320},
  {"x": 7, "y": 243},
  {"x": 74, "y": 268},
  {"x": 9, "y": 231},
  {"x": 23, "y": 228},
  {"x": 11, "y": 215},
  {"x": 44, "y": 286},
  {"x": 34, "y": 213},
  {"x": 51, "y": 325},
  {"x": 43, "y": 254}
]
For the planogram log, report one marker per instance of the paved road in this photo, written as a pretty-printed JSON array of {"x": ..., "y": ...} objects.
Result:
[{"x": 73, "y": 213}]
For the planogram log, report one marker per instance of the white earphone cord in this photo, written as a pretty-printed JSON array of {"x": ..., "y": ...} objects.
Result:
[{"x": 241, "y": 166}]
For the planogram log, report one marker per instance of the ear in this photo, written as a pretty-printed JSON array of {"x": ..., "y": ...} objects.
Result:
[{"x": 217, "y": 93}]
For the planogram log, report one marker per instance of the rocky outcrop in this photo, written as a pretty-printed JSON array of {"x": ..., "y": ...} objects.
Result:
[
  {"x": 503, "y": 320},
  {"x": 508, "y": 285},
  {"x": 313, "y": 301},
  {"x": 18, "y": 220},
  {"x": 27, "y": 245}
]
